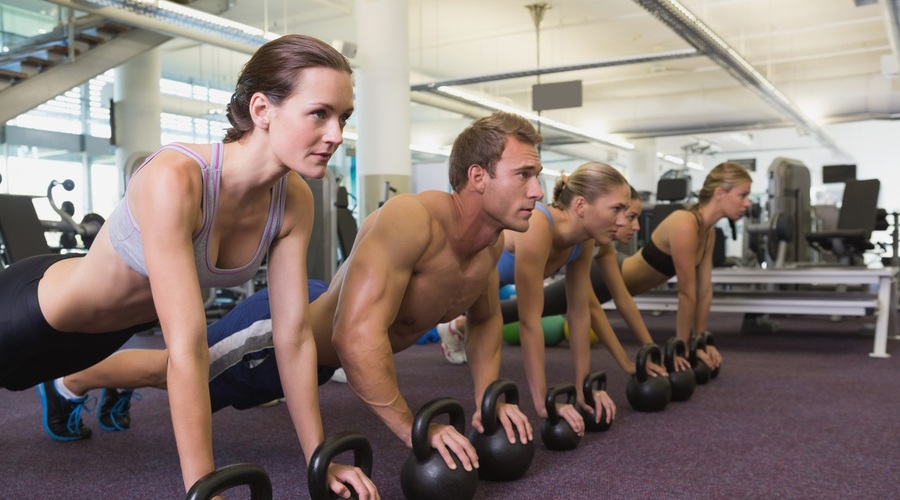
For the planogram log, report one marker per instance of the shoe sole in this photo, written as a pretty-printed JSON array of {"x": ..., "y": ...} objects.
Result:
[{"x": 44, "y": 406}]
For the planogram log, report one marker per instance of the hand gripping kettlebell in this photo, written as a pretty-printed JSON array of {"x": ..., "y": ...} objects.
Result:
[
  {"x": 701, "y": 369},
  {"x": 648, "y": 393},
  {"x": 556, "y": 433},
  {"x": 683, "y": 382},
  {"x": 498, "y": 459},
  {"x": 708, "y": 337},
  {"x": 594, "y": 379},
  {"x": 317, "y": 474},
  {"x": 425, "y": 475},
  {"x": 229, "y": 476}
]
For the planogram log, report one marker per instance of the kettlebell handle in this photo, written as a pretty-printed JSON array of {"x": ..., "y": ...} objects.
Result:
[
  {"x": 708, "y": 338},
  {"x": 646, "y": 351},
  {"x": 228, "y": 477},
  {"x": 698, "y": 343},
  {"x": 426, "y": 414},
  {"x": 500, "y": 387},
  {"x": 598, "y": 379},
  {"x": 674, "y": 347},
  {"x": 327, "y": 451},
  {"x": 550, "y": 401}
]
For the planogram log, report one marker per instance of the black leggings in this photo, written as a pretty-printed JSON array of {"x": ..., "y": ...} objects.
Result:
[
  {"x": 31, "y": 351},
  {"x": 555, "y": 296}
]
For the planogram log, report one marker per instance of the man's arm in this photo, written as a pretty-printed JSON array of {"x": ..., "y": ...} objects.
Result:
[{"x": 374, "y": 284}]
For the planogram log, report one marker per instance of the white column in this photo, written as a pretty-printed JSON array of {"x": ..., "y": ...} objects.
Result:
[
  {"x": 137, "y": 108},
  {"x": 382, "y": 99}
]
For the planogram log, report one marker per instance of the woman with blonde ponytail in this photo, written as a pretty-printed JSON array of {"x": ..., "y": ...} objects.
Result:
[{"x": 682, "y": 246}]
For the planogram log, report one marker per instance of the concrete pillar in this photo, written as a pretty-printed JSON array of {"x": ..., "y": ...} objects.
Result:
[
  {"x": 382, "y": 100},
  {"x": 137, "y": 110}
]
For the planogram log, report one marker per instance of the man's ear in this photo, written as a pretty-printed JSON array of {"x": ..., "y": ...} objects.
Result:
[
  {"x": 477, "y": 177},
  {"x": 260, "y": 106}
]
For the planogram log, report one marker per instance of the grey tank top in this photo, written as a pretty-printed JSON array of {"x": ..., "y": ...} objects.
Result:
[{"x": 125, "y": 235}]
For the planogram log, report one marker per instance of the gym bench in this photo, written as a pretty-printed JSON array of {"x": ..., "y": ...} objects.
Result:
[{"x": 878, "y": 298}]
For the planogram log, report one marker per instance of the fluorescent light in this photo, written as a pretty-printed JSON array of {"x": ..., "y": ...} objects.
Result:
[{"x": 678, "y": 161}]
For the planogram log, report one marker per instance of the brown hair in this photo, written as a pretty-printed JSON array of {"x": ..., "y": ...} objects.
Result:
[
  {"x": 591, "y": 180},
  {"x": 482, "y": 143},
  {"x": 275, "y": 70}
]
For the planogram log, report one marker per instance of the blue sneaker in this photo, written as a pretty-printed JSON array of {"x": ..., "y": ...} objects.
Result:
[
  {"x": 115, "y": 409},
  {"x": 62, "y": 417}
]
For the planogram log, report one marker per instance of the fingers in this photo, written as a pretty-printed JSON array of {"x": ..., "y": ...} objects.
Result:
[
  {"x": 654, "y": 369},
  {"x": 604, "y": 402},
  {"x": 572, "y": 417},
  {"x": 681, "y": 364},
  {"x": 339, "y": 476},
  {"x": 513, "y": 420},
  {"x": 448, "y": 442}
]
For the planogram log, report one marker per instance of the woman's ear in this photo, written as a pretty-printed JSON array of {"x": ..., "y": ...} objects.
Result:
[
  {"x": 579, "y": 205},
  {"x": 260, "y": 107}
]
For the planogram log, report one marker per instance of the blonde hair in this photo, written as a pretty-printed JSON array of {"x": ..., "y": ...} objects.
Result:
[
  {"x": 726, "y": 175},
  {"x": 591, "y": 180}
]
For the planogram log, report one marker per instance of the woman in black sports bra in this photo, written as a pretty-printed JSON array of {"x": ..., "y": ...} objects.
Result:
[{"x": 682, "y": 246}]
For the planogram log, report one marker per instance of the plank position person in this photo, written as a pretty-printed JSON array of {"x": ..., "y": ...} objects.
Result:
[
  {"x": 196, "y": 216},
  {"x": 418, "y": 260},
  {"x": 682, "y": 246}
]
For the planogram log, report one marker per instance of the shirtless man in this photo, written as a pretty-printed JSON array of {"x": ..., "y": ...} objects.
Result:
[{"x": 417, "y": 261}]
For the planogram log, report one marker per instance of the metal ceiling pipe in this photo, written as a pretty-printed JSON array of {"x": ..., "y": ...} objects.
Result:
[
  {"x": 175, "y": 20},
  {"x": 617, "y": 61},
  {"x": 702, "y": 38}
]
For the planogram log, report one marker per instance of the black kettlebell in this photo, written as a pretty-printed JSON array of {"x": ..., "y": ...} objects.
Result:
[
  {"x": 425, "y": 475},
  {"x": 317, "y": 473},
  {"x": 708, "y": 337},
  {"x": 228, "y": 477},
  {"x": 648, "y": 393},
  {"x": 683, "y": 382},
  {"x": 556, "y": 433},
  {"x": 701, "y": 369},
  {"x": 498, "y": 459},
  {"x": 598, "y": 379}
]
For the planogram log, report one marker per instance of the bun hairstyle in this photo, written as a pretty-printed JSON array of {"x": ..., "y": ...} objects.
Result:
[{"x": 591, "y": 180}]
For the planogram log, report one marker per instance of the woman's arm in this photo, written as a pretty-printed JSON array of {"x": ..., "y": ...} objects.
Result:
[
  {"x": 612, "y": 276},
  {"x": 680, "y": 228},
  {"x": 704, "y": 299},
  {"x": 532, "y": 250},
  {"x": 164, "y": 198},
  {"x": 578, "y": 314}
]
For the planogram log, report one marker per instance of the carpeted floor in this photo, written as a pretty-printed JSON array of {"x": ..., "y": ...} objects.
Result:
[{"x": 800, "y": 413}]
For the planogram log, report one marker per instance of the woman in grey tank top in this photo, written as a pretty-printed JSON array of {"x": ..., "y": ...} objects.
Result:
[{"x": 180, "y": 228}]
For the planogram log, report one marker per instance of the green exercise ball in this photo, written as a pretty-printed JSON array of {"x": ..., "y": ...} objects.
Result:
[
  {"x": 553, "y": 329},
  {"x": 511, "y": 333}
]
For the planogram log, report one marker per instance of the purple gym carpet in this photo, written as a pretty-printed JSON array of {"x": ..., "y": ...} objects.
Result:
[{"x": 801, "y": 413}]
